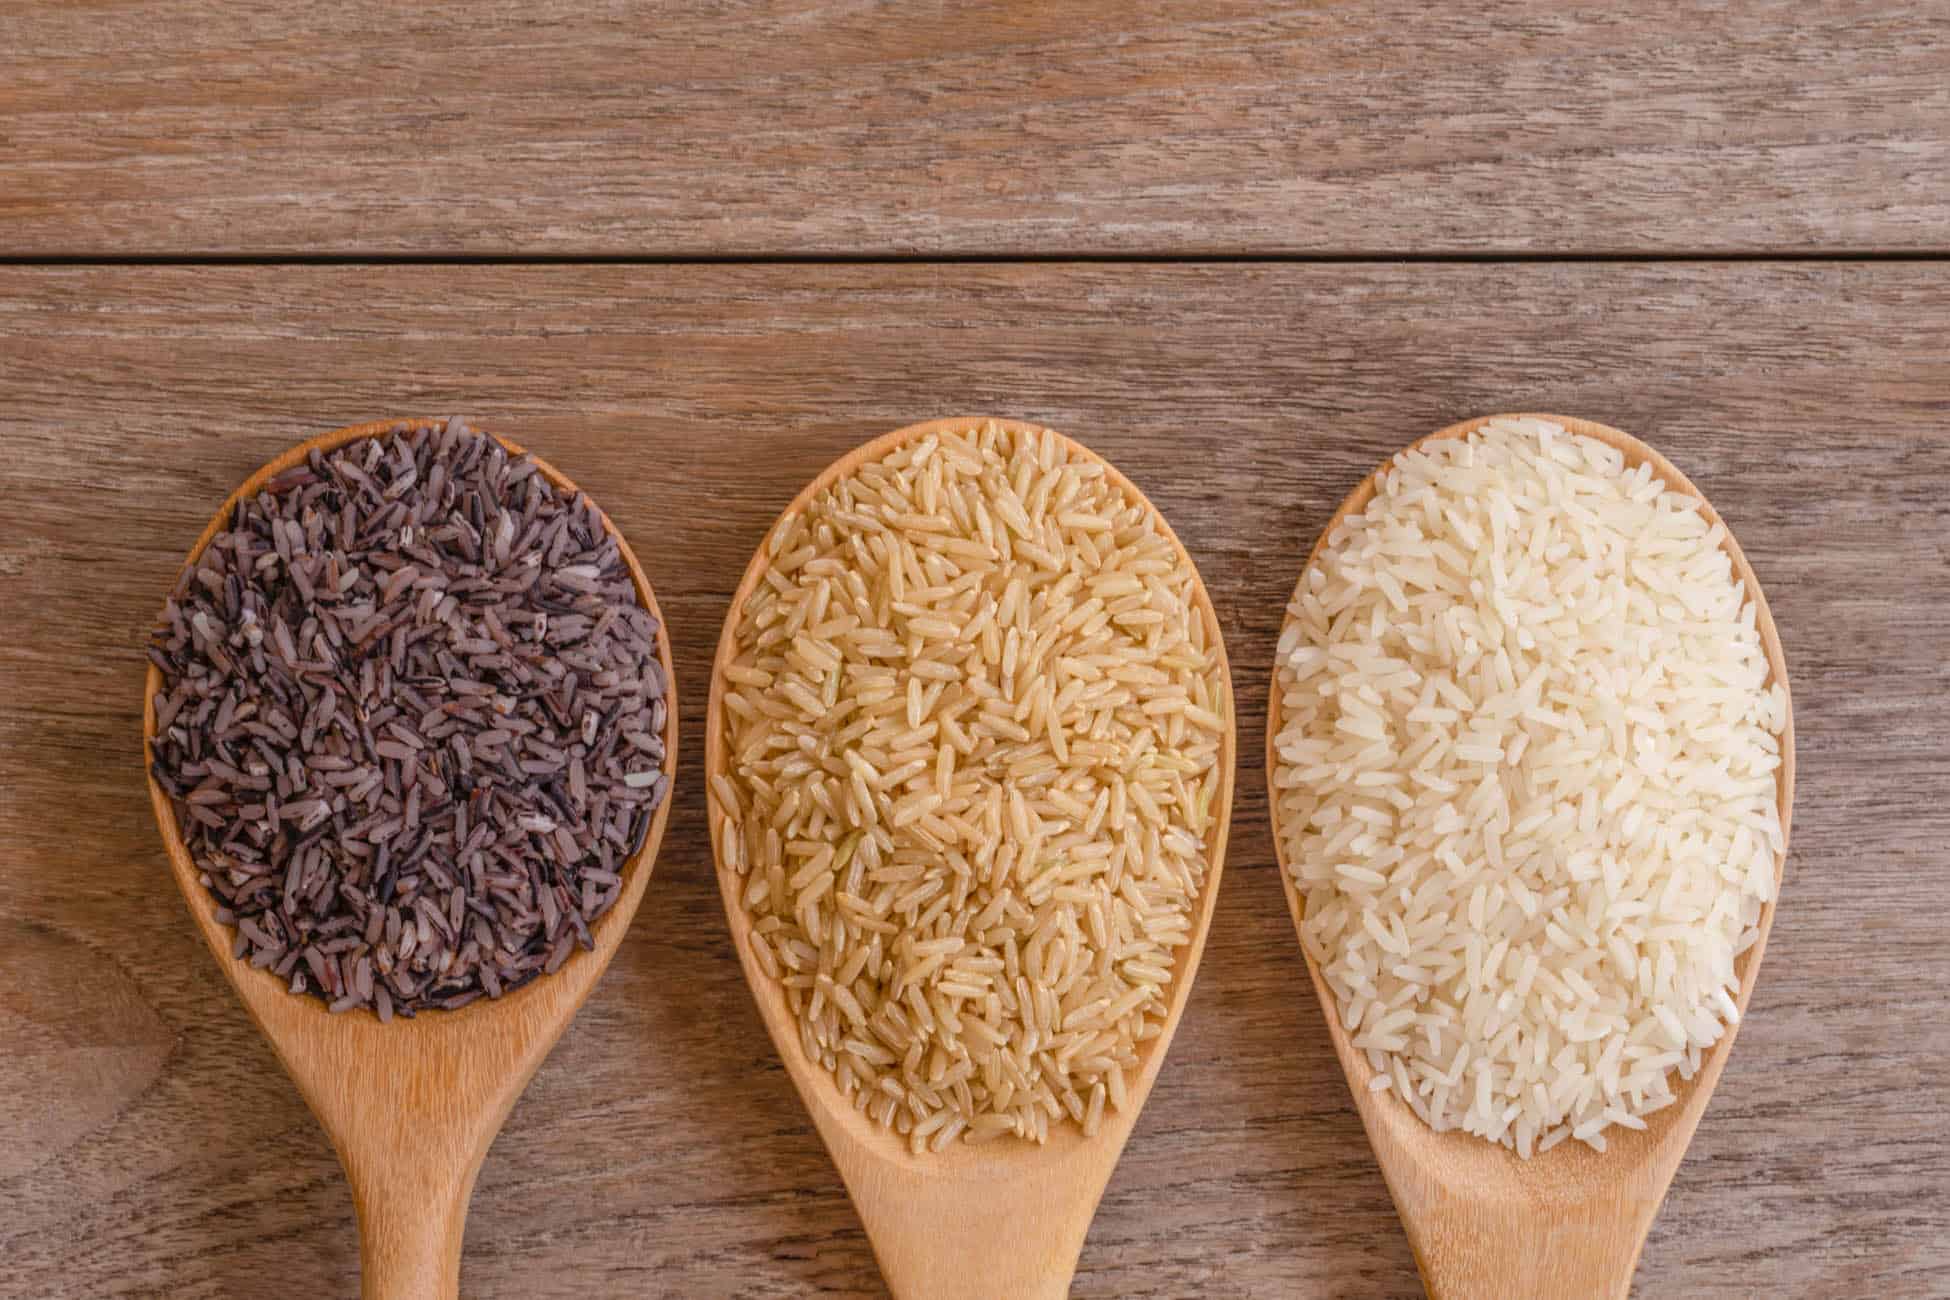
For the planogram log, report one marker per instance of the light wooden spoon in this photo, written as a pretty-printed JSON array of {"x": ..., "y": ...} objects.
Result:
[
  {"x": 1001, "y": 1219},
  {"x": 412, "y": 1106},
  {"x": 1572, "y": 1221}
]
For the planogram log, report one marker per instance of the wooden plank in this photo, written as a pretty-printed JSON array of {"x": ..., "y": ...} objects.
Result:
[
  {"x": 661, "y": 1151},
  {"x": 813, "y": 127}
]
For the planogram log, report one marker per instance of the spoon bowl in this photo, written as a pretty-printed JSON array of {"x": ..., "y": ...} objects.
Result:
[
  {"x": 1004, "y": 1218},
  {"x": 1570, "y": 1221},
  {"x": 412, "y": 1106}
]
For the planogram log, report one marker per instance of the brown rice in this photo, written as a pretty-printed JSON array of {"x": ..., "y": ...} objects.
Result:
[{"x": 974, "y": 738}]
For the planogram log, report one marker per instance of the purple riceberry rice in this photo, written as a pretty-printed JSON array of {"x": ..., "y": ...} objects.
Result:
[{"x": 412, "y": 720}]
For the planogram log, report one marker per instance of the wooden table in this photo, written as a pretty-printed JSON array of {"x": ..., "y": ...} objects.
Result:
[{"x": 693, "y": 255}]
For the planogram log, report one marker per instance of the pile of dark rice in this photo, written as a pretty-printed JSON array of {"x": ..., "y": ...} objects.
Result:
[{"x": 412, "y": 720}]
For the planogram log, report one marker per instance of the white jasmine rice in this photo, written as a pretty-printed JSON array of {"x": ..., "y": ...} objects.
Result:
[{"x": 1527, "y": 782}]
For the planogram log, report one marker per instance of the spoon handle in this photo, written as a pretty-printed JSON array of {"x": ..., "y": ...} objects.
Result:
[
  {"x": 411, "y": 1218},
  {"x": 1018, "y": 1239},
  {"x": 1471, "y": 1247}
]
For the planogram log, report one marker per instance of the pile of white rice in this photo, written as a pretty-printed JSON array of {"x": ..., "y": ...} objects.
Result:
[
  {"x": 974, "y": 724},
  {"x": 1527, "y": 782}
]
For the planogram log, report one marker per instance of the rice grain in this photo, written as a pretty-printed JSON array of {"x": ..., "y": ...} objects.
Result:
[
  {"x": 372, "y": 679},
  {"x": 1527, "y": 782},
  {"x": 974, "y": 724}
]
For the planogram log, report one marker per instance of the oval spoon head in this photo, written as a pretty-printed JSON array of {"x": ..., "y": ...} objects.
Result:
[
  {"x": 1572, "y": 1220},
  {"x": 1004, "y": 1218},
  {"x": 411, "y": 1106}
]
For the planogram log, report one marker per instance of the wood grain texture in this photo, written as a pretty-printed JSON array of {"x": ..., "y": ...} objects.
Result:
[
  {"x": 998, "y": 126},
  {"x": 661, "y": 1150}
]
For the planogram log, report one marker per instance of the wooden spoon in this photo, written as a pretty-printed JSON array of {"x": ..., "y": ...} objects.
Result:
[
  {"x": 1004, "y": 1218},
  {"x": 1572, "y": 1221},
  {"x": 412, "y": 1106}
]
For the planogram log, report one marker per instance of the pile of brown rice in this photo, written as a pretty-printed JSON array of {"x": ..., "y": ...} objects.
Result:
[
  {"x": 974, "y": 726},
  {"x": 1527, "y": 782}
]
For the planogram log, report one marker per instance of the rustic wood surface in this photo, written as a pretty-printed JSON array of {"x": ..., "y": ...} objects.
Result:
[
  {"x": 149, "y": 1145},
  {"x": 997, "y": 126}
]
